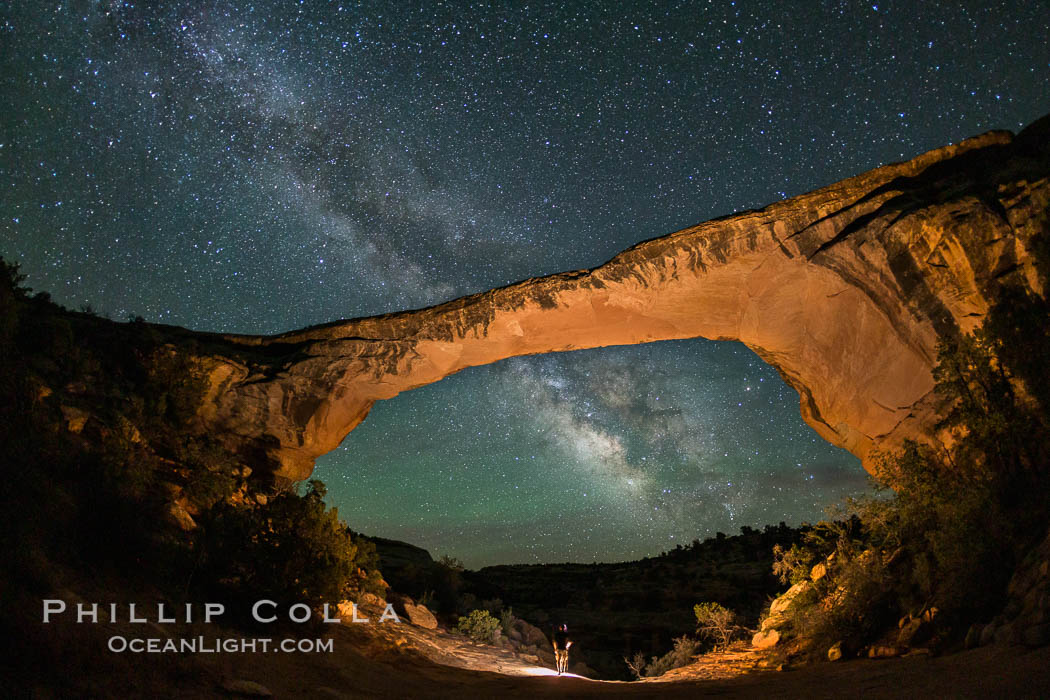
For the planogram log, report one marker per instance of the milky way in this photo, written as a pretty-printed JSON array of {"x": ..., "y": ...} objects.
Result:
[{"x": 259, "y": 167}]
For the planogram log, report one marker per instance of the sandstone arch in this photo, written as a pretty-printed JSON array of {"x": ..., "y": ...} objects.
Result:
[{"x": 845, "y": 290}]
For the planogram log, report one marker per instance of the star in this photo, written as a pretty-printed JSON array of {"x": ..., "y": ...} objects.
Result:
[{"x": 259, "y": 167}]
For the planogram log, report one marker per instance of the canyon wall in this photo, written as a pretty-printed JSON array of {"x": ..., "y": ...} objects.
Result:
[{"x": 845, "y": 290}]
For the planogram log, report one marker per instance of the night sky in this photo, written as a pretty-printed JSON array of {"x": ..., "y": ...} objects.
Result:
[{"x": 259, "y": 167}]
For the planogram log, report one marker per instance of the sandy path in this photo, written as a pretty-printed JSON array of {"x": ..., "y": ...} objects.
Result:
[
  {"x": 403, "y": 661},
  {"x": 408, "y": 662}
]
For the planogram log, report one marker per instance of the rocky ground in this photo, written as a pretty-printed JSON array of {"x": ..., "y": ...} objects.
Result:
[
  {"x": 409, "y": 662},
  {"x": 413, "y": 663},
  {"x": 371, "y": 660},
  {"x": 388, "y": 660}
]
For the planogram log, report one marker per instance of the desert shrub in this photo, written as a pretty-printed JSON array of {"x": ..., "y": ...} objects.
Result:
[
  {"x": 451, "y": 563},
  {"x": 479, "y": 625},
  {"x": 293, "y": 549},
  {"x": 854, "y": 605},
  {"x": 716, "y": 622},
  {"x": 174, "y": 388},
  {"x": 636, "y": 664},
  {"x": 99, "y": 499},
  {"x": 438, "y": 586},
  {"x": 371, "y": 582},
  {"x": 685, "y": 649},
  {"x": 506, "y": 620},
  {"x": 792, "y": 565},
  {"x": 210, "y": 470},
  {"x": 207, "y": 486}
]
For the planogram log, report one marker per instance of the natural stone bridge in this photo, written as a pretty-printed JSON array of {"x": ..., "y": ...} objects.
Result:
[{"x": 844, "y": 290}]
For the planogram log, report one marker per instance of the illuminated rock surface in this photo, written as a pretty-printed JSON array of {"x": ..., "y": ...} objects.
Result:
[{"x": 845, "y": 290}]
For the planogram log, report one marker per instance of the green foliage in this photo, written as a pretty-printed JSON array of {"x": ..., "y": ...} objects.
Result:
[
  {"x": 372, "y": 582},
  {"x": 506, "y": 620},
  {"x": 451, "y": 563},
  {"x": 127, "y": 466},
  {"x": 446, "y": 581},
  {"x": 1018, "y": 333},
  {"x": 173, "y": 389},
  {"x": 11, "y": 279},
  {"x": 211, "y": 473},
  {"x": 852, "y": 605},
  {"x": 292, "y": 550},
  {"x": 959, "y": 517},
  {"x": 103, "y": 448},
  {"x": 792, "y": 565},
  {"x": 946, "y": 526},
  {"x": 11, "y": 292},
  {"x": 716, "y": 622},
  {"x": 479, "y": 625},
  {"x": 684, "y": 651}
]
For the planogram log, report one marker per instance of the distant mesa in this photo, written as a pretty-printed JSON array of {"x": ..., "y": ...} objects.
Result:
[{"x": 845, "y": 290}]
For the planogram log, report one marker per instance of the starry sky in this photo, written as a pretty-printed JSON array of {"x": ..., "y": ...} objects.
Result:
[{"x": 256, "y": 167}]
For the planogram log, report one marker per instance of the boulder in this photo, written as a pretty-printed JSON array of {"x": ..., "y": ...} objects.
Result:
[
  {"x": 419, "y": 616},
  {"x": 819, "y": 571},
  {"x": 835, "y": 652},
  {"x": 400, "y": 602},
  {"x": 781, "y": 604},
  {"x": 765, "y": 639},
  {"x": 881, "y": 651},
  {"x": 371, "y": 599},
  {"x": 346, "y": 610},
  {"x": 779, "y": 607},
  {"x": 531, "y": 634}
]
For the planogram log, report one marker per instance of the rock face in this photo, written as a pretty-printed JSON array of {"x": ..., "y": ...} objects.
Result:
[
  {"x": 1026, "y": 618},
  {"x": 845, "y": 290}
]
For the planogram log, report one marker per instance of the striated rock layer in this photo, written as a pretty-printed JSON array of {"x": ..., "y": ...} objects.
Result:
[{"x": 845, "y": 290}]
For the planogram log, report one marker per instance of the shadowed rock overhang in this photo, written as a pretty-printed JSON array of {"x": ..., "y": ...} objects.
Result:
[{"x": 845, "y": 290}]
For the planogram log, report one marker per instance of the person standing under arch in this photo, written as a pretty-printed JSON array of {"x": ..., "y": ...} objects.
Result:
[{"x": 561, "y": 643}]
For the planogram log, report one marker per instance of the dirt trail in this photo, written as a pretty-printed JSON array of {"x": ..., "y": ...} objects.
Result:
[{"x": 403, "y": 661}]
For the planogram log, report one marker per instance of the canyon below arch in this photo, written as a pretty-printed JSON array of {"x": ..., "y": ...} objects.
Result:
[{"x": 845, "y": 290}]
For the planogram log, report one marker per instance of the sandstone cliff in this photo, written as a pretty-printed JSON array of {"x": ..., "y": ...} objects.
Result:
[{"x": 844, "y": 290}]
